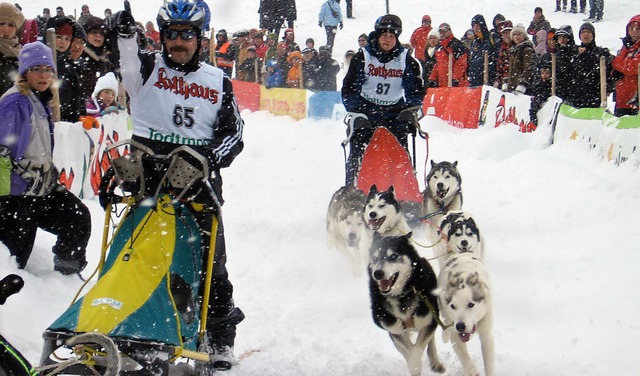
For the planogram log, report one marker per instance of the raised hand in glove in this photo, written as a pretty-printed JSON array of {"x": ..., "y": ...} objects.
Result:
[
  {"x": 320, "y": 23},
  {"x": 341, "y": 25},
  {"x": 123, "y": 24}
]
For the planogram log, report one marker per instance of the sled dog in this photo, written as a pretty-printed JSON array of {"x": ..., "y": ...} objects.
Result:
[
  {"x": 460, "y": 234},
  {"x": 442, "y": 194},
  {"x": 400, "y": 286},
  {"x": 345, "y": 226},
  {"x": 383, "y": 214},
  {"x": 464, "y": 293}
]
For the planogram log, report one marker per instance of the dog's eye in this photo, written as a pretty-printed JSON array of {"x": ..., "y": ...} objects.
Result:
[
  {"x": 393, "y": 257},
  {"x": 471, "y": 305},
  {"x": 453, "y": 306}
]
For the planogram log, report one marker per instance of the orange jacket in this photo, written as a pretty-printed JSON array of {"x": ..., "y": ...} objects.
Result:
[
  {"x": 295, "y": 72},
  {"x": 440, "y": 72},
  {"x": 627, "y": 63},
  {"x": 419, "y": 41}
]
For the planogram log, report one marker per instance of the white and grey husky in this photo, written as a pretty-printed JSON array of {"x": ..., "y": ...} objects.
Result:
[
  {"x": 464, "y": 293},
  {"x": 346, "y": 228},
  {"x": 383, "y": 214},
  {"x": 400, "y": 286},
  {"x": 460, "y": 234}
]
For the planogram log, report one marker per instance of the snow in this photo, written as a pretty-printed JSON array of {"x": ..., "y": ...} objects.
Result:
[{"x": 560, "y": 224}]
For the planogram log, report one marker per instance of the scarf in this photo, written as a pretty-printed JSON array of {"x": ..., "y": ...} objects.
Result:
[{"x": 9, "y": 47}]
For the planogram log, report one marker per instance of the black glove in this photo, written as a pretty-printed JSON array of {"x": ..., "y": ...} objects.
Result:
[
  {"x": 455, "y": 83},
  {"x": 123, "y": 24},
  {"x": 320, "y": 23},
  {"x": 341, "y": 25}
]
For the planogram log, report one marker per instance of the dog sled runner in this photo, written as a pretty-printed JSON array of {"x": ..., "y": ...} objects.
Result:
[{"x": 146, "y": 313}]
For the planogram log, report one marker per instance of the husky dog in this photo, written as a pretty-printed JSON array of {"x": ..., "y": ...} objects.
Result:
[
  {"x": 442, "y": 194},
  {"x": 465, "y": 301},
  {"x": 382, "y": 213},
  {"x": 460, "y": 234},
  {"x": 400, "y": 285},
  {"x": 345, "y": 226}
]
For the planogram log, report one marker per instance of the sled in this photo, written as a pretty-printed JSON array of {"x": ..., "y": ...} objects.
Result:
[{"x": 148, "y": 299}]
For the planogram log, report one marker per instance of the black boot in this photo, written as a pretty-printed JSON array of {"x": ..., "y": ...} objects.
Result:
[{"x": 221, "y": 334}]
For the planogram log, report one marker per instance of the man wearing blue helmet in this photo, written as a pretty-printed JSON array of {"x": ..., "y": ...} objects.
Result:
[
  {"x": 382, "y": 81},
  {"x": 176, "y": 100}
]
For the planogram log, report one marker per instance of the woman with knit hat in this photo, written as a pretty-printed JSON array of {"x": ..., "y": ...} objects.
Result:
[
  {"x": 103, "y": 100},
  {"x": 96, "y": 55},
  {"x": 30, "y": 195},
  {"x": 522, "y": 62},
  {"x": 11, "y": 19}
]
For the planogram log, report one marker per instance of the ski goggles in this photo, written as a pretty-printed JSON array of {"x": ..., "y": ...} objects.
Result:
[{"x": 187, "y": 34}]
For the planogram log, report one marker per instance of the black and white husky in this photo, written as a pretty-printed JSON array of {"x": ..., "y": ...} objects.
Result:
[
  {"x": 346, "y": 228},
  {"x": 383, "y": 214},
  {"x": 460, "y": 234},
  {"x": 401, "y": 285},
  {"x": 443, "y": 193},
  {"x": 464, "y": 293}
]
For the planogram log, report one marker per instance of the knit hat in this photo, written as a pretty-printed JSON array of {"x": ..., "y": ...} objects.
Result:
[
  {"x": 93, "y": 24},
  {"x": 426, "y": 17},
  {"x": 537, "y": 9},
  {"x": 505, "y": 25},
  {"x": 108, "y": 81},
  {"x": 518, "y": 29},
  {"x": 588, "y": 26},
  {"x": 78, "y": 32},
  {"x": 444, "y": 27},
  {"x": 434, "y": 33},
  {"x": 65, "y": 29},
  {"x": 34, "y": 54},
  {"x": 9, "y": 13}
]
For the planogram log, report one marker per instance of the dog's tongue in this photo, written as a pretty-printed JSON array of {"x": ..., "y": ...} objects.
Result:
[
  {"x": 385, "y": 284},
  {"x": 464, "y": 337},
  {"x": 375, "y": 223}
]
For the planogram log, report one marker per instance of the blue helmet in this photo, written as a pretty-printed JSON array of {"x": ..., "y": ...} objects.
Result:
[{"x": 180, "y": 12}]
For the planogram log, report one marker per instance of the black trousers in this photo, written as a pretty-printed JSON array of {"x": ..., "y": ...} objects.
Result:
[{"x": 60, "y": 213}]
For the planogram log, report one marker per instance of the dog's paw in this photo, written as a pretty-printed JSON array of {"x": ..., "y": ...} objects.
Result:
[{"x": 438, "y": 368}]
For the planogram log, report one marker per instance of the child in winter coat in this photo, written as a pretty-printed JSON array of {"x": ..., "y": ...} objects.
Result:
[
  {"x": 30, "y": 195},
  {"x": 294, "y": 75},
  {"x": 103, "y": 99},
  {"x": 541, "y": 91},
  {"x": 272, "y": 75}
]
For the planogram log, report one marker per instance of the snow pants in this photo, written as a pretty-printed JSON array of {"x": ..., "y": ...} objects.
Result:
[{"x": 60, "y": 213}]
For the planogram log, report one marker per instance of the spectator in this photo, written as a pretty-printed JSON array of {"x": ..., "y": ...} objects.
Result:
[
  {"x": 273, "y": 14},
  {"x": 69, "y": 82},
  {"x": 205, "y": 50},
  {"x": 225, "y": 53},
  {"x": 242, "y": 41},
  {"x": 430, "y": 54},
  {"x": 294, "y": 73},
  {"x": 151, "y": 32},
  {"x": 468, "y": 38},
  {"x": 310, "y": 68},
  {"x": 522, "y": 62},
  {"x": 449, "y": 45},
  {"x": 419, "y": 37},
  {"x": 496, "y": 38},
  {"x": 272, "y": 75},
  {"x": 29, "y": 32},
  {"x": 260, "y": 44},
  {"x": 537, "y": 23},
  {"x": 541, "y": 91},
  {"x": 42, "y": 21},
  {"x": 60, "y": 12},
  {"x": 328, "y": 68},
  {"x": 11, "y": 19},
  {"x": 35, "y": 199},
  {"x": 77, "y": 45},
  {"x": 84, "y": 15},
  {"x": 285, "y": 47},
  {"x": 107, "y": 16},
  {"x": 625, "y": 65},
  {"x": 96, "y": 55},
  {"x": 103, "y": 100},
  {"x": 330, "y": 17},
  {"x": 360, "y": 89},
  {"x": 363, "y": 40},
  {"x": 310, "y": 43},
  {"x": 251, "y": 66},
  {"x": 479, "y": 46},
  {"x": 565, "y": 52},
  {"x": 596, "y": 8},
  {"x": 564, "y": 5},
  {"x": 272, "y": 50},
  {"x": 541, "y": 45},
  {"x": 502, "y": 67},
  {"x": 586, "y": 69}
]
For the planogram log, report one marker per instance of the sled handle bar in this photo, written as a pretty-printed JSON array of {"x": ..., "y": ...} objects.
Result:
[
  {"x": 10, "y": 285},
  {"x": 349, "y": 119}
]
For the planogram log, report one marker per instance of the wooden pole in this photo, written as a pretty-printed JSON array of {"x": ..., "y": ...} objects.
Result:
[
  {"x": 603, "y": 83},
  {"x": 486, "y": 68},
  {"x": 50, "y": 37},
  {"x": 553, "y": 75},
  {"x": 212, "y": 49},
  {"x": 450, "y": 70}
]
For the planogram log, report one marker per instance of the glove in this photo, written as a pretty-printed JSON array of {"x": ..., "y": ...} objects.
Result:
[
  {"x": 109, "y": 110},
  {"x": 89, "y": 122},
  {"x": 40, "y": 180},
  {"x": 505, "y": 87},
  {"x": 320, "y": 23},
  {"x": 521, "y": 89},
  {"x": 123, "y": 24},
  {"x": 455, "y": 83},
  {"x": 341, "y": 25}
]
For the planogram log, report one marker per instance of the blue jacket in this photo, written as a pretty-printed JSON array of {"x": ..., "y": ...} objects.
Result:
[{"x": 326, "y": 13}]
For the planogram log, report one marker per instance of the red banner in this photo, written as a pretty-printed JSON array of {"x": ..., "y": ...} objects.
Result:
[
  {"x": 459, "y": 107},
  {"x": 247, "y": 95}
]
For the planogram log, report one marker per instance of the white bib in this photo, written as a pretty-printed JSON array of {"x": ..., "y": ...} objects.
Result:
[{"x": 383, "y": 83}]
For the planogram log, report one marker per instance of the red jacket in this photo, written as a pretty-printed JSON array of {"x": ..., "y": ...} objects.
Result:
[
  {"x": 627, "y": 63},
  {"x": 419, "y": 41},
  {"x": 29, "y": 32},
  {"x": 440, "y": 72}
]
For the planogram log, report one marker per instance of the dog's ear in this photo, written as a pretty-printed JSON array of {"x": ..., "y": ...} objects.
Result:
[
  {"x": 433, "y": 164},
  {"x": 455, "y": 164},
  {"x": 408, "y": 235},
  {"x": 373, "y": 189},
  {"x": 391, "y": 190},
  {"x": 472, "y": 280}
]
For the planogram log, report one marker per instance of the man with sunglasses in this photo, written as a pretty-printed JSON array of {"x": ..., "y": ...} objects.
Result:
[{"x": 176, "y": 100}]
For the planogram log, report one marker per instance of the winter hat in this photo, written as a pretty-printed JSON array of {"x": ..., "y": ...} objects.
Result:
[
  {"x": 288, "y": 30},
  {"x": 9, "y": 13},
  {"x": 537, "y": 9},
  {"x": 65, "y": 29},
  {"x": 444, "y": 27},
  {"x": 426, "y": 17},
  {"x": 564, "y": 30},
  {"x": 108, "y": 81},
  {"x": 94, "y": 24},
  {"x": 78, "y": 32},
  {"x": 34, "y": 54},
  {"x": 504, "y": 26},
  {"x": 518, "y": 29},
  {"x": 497, "y": 19},
  {"x": 434, "y": 33},
  {"x": 588, "y": 26}
]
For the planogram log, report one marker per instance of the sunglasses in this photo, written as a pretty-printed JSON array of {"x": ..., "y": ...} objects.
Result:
[
  {"x": 184, "y": 34},
  {"x": 41, "y": 70}
]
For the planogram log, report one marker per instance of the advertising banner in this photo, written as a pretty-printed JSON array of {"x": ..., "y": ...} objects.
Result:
[{"x": 280, "y": 101}]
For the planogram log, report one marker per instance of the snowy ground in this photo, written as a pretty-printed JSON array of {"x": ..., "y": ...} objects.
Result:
[{"x": 560, "y": 224}]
